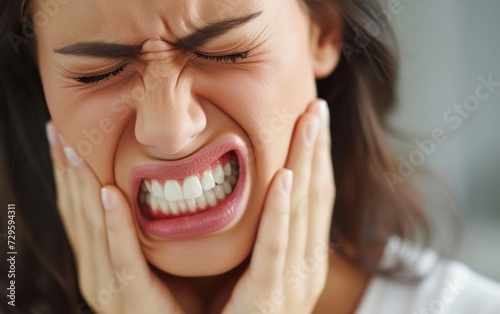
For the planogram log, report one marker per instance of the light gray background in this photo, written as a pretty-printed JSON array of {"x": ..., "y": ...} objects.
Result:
[{"x": 445, "y": 46}]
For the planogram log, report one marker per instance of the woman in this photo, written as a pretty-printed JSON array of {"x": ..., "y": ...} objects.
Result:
[{"x": 192, "y": 164}]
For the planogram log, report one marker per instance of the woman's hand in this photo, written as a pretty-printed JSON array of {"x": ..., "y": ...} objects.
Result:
[
  {"x": 113, "y": 274},
  {"x": 289, "y": 264}
]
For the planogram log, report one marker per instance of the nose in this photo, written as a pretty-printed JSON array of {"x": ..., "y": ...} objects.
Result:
[{"x": 169, "y": 118}]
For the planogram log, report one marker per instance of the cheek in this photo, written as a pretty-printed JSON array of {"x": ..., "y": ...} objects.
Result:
[
  {"x": 92, "y": 127},
  {"x": 266, "y": 102}
]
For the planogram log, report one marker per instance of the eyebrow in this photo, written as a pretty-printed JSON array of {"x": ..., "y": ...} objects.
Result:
[{"x": 191, "y": 41}]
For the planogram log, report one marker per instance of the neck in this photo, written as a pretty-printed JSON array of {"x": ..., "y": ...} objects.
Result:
[
  {"x": 345, "y": 287},
  {"x": 197, "y": 294}
]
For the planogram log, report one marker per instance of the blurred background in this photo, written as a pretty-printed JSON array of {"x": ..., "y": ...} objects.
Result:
[{"x": 448, "y": 48}]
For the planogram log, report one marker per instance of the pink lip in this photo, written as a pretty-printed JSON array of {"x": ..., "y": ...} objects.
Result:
[{"x": 209, "y": 221}]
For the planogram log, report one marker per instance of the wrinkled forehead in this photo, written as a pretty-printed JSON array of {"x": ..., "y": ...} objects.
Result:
[{"x": 128, "y": 20}]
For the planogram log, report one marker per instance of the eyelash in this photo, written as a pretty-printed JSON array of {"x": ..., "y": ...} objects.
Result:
[
  {"x": 233, "y": 58},
  {"x": 97, "y": 78}
]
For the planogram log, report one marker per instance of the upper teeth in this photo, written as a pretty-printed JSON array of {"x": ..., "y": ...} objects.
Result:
[
  {"x": 207, "y": 182},
  {"x": 191, "y": 188},
  {"x": 172, "y": 191},
  {"x": 175, "y": 197}
]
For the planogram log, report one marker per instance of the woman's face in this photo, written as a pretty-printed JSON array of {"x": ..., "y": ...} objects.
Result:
[{"x": 168, "y": 114}]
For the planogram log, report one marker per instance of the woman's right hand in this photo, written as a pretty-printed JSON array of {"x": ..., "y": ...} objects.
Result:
[{"x": 113, "y": 274}]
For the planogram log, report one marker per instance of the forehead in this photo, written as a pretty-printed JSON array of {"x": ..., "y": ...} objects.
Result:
[{"x": 132, "y": 20}]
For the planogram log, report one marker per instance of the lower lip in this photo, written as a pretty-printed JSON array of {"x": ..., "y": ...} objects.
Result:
[{"x": 206, "y": 222}]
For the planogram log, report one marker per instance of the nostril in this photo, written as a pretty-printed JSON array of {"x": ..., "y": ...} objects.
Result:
[
  {"x": 162, "y": 139},
  {"x": 169, "y": 133}
]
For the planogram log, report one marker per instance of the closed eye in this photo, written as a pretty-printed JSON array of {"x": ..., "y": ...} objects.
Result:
[
  {"x": 225, "y": 58},
  {"x": 105, "y": 76},
  {"x": 97, "y": 78}
]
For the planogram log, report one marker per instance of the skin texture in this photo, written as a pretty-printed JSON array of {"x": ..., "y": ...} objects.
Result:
[{"x": 167, "y": 105}]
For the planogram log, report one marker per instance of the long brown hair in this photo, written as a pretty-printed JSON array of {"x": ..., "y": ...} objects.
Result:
[
  {"x": 369, "y": 207},
  {"x": 360, "y": 90}
]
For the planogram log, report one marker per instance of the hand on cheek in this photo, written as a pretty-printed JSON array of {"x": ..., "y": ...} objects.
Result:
[
  {"x": 289, "y": 264},
  {"x": 113, "y": 274}
]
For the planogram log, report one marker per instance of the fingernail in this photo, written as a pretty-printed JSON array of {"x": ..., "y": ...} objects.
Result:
[
  {"x": 51, "y": 133},
  {"x": 323, "y": 112},
  {"x": 312, "y": 131},
  {"x": 73, "y": 158},
  {"x": 287, "y": 182},
  {"x": 106, "y": 198},
  {"x": 62, "y": 140}
]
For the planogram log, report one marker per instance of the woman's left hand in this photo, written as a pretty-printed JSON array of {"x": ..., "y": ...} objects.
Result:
[{"x": 289, "y": 263}]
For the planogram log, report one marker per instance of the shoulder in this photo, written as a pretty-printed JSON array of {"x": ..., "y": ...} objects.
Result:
[{"x": 451, "y": 287}]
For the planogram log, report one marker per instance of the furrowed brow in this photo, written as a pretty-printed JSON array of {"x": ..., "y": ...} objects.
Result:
[
  {"x": 99, "y": 49},
  {"x": 201, "y": 36},
  {"x": 192, "y": 41}
]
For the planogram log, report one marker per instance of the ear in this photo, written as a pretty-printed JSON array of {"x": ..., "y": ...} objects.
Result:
[{"x": 326, "y": 46}]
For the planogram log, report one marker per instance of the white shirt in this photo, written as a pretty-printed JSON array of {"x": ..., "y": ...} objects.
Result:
[{"x": 450, "y": 288}]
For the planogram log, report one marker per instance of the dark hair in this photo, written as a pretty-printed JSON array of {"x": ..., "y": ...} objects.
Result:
[{"x": 360, "y": 90}]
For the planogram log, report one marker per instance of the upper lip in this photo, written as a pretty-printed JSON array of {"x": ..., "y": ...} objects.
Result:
[{"x": 191, "y": 165}]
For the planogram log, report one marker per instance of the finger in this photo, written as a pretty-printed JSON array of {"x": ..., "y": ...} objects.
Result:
[
  {"x": 126, "y": 255},
  {"x": 322, "y": 188},
  {"x": 269, "y": 254},
  {"x": 124, "y": 246},
  {"x": 299, "y": 161},
  {"x": 80, "y": 207},
  {"x": 93, "y": 237},
  {"x": 63, "y": 183}
]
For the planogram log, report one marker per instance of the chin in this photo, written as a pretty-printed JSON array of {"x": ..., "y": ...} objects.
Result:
[{"x": 211, "y": 260}]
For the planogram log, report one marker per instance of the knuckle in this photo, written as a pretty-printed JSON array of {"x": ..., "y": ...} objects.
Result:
[
  {"x": 126, "y": 257},
  {"x": 325, "y": 192},
  {"x": 301, "y": 208},
  {"x": 95, "y": 230},
  {"x": 94, "y": 223},
  {"x": 254, "y": 286},
  {"x": 276, "y": 247},
  {"x": 61, "y": 169}
]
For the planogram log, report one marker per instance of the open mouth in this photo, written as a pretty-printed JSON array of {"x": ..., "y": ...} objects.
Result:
[{"x": 197, "y": 193}]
